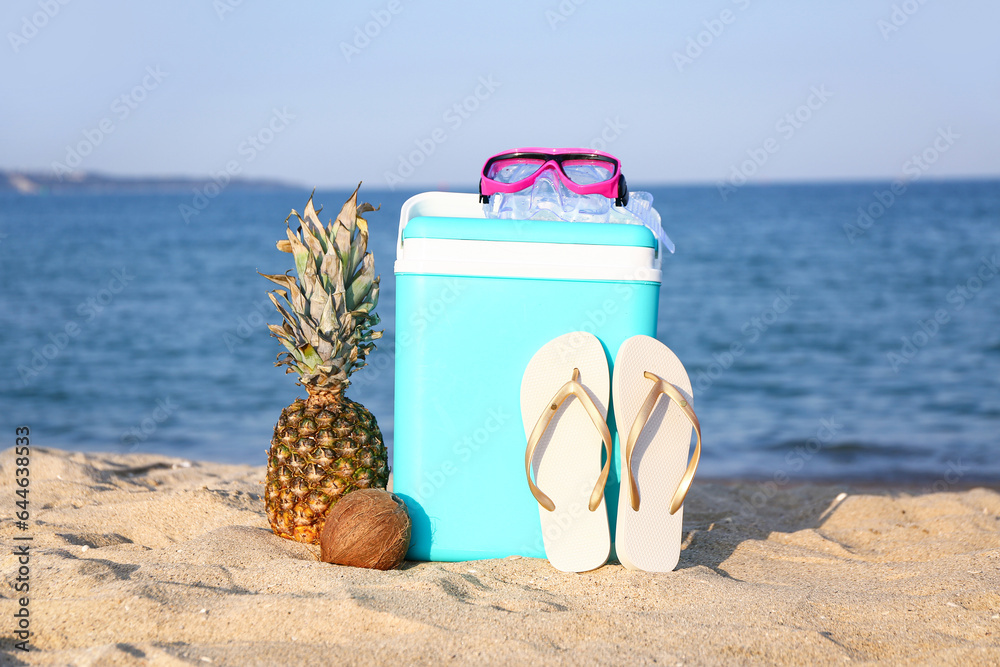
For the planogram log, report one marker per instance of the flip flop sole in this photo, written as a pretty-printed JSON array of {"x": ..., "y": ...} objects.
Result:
[
  {"x": 567, "y": 459},
  {"x": 650, "y": 538}
]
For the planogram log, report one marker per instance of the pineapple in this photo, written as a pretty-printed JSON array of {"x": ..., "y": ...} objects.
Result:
[{"x": 326, "y": 445}]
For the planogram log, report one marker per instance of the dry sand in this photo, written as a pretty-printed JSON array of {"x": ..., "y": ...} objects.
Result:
[{"x": 142, "y": 559}]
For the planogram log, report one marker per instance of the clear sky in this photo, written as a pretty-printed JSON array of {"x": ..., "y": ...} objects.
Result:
[{"x": 414, "y": 93}]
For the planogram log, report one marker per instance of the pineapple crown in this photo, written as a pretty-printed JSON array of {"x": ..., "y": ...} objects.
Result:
[{"x": 328, "y": 310}]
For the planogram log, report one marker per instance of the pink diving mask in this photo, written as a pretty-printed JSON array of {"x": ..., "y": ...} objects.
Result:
[{"x": 583, "y": 171}]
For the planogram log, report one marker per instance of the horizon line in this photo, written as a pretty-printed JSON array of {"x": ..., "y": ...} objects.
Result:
[{"x": 81, "y": 181}]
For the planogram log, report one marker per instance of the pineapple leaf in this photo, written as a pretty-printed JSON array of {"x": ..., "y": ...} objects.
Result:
[
  {"x": 344, "y": 226},
  {"x": 328, "y": 268},
  {"x": 326, "y": 320},
  {"x": 298, "y": 301},
  {"x": 288, "y": 317},
  {"x": 360, "y": 246},
  {"x": 309, "y": 356},
  {"x": 326, "y": 349},
  {"x": 317, "y": 304},
  {"x": 347, "y": 217},
  {"x": 338, "y": 297},
  {"x": 277, "y": 331},
  {"x": 307, "y": 230},
  {"x": 362, "y": 284},
  {"x": 307, "y": 329},
  {"x": 288, "y": 346},
  {"x": 299, "y": 251},
  {"x": 283, "y": 280},
  {"x": 311, "y": 214}
]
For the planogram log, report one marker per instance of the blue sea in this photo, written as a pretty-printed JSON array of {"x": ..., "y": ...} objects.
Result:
[{"x": 832, "y": 331}]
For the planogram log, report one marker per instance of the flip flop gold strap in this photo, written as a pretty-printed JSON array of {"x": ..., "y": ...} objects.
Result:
[
  {"x": 571, "y": 388},
  {"x": 661, "y": 386}
]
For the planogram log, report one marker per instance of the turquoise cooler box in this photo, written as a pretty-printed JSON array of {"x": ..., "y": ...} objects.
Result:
[{"x": 475, "y": 299}]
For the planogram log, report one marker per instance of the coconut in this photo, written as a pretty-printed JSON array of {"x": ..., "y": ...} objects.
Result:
[{"x": 366, "y": 528}]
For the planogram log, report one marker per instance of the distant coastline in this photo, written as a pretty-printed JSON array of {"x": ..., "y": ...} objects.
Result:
[
  {"x": 41, "y": 183},
  {"x": 81, "y": 182}
]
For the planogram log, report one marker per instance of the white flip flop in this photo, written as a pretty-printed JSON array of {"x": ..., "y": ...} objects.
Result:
[
  {"x": 564, "y": 406},
  {"x": 652, "y": 399}
]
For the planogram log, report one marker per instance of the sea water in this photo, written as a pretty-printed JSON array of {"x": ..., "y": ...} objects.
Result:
[{"x": 829, "y": 331}]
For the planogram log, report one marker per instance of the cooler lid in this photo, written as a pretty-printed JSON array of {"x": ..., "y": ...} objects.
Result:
[
  {"x": 447, "y": 233},
  {"x": 529, "y": 231}
]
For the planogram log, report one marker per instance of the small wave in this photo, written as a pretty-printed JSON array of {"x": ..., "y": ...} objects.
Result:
[{"x": 845, "y": 448}]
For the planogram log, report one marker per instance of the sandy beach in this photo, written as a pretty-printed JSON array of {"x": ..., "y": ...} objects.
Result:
[{"x": 142, "y": 559}]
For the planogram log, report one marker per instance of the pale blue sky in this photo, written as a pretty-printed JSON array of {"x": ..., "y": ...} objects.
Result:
[{"x": 552, "y": 79}]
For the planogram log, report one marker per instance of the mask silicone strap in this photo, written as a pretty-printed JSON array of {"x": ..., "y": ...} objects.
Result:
[
  {"x": 660, "y": 387},
  {"x": 571, "y": 388}
]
